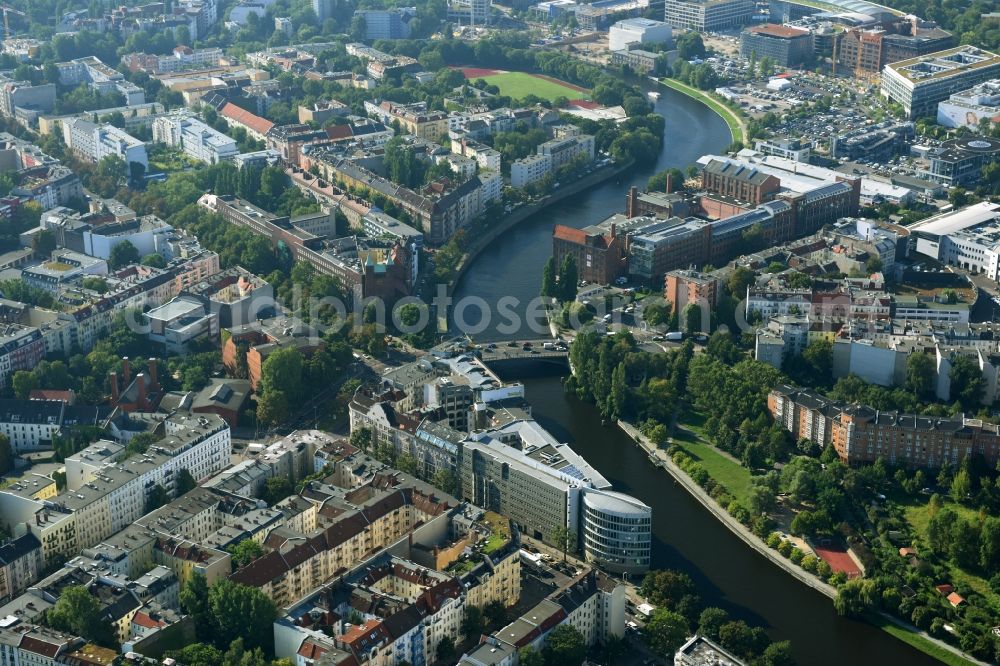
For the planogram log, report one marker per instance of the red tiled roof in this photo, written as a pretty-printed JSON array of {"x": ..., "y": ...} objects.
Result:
[
  {"x": 143, "y": 620},
  {"x": 243, "y": 117},
  {"x": 955, "y": 599},
  {"x": 311, "y": 650},
  {"x": 336, "y": 132},
  {"x": 562, "y": 232}
]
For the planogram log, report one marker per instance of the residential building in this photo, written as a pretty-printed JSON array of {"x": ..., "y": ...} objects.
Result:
[
  {"x": 565, "y": 150},
  {"x": 919, "y": 84},
  {"x": 95, "y": 142},
  {"x": 181, "y": 58},
  {"x": 324, "y": 9},
  {"x": 198, "y": 141},
  {"x": 21, "y": 564},
  {"x": 709, "y": 16},
  {"x": 969, "y": 108},
  {"x": 386, "y": 23},
  {"x": 16, "y": 95},
  {"x": 862, "y": 434},
  {"x": 689, "y": 286},
  {"x": 639, "y": 31},
  {"x": 469, "y": 12},
  {"x": 21, "y": 348},
  {"x": 529, "y": 169},
  {"x": 100, "y": 77},
  {"x": 785, "y": 45},
  {"x": 414, "y": 119}
]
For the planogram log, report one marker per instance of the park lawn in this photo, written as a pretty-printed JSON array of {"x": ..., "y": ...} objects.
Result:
[
  {"x": 917, "y": 641},
  {"x": 734, "y": 476},
  {"x": 519, "y": 85}
]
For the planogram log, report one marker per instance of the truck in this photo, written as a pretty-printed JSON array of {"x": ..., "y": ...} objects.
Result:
[
  {"x": 549, "y": 346},
  {"x": 255, "y": 448},
  {"x": 674, "y": 336}
]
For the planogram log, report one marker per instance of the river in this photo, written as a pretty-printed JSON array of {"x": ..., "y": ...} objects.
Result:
[
  {"x": 512, "y": 266},
  {"x": 686, "y": 537}
]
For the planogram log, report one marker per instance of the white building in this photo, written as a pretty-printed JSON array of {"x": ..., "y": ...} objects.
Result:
[
  {"x": 529, "y": 169},
  {"x": 101, "y": 78},
  {"x": 94, "y": 142},
  {"x": 639, "y": 31},
  {"x": 199, "y": 141},
  {"x": 968, "y": 238},
  {"x": 967, "y": 108},
  {"x": 920, "y": 83}
]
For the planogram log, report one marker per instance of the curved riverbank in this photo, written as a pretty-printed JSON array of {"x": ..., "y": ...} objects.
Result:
[
  {"x": 737, "y": 125},
  {"x": 736, "y": 527},
  {"x": 525, "y": 212},
  {"x": 897, "y": 628}
]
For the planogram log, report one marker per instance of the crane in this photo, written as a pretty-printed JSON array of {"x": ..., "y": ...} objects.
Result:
[{"x": 6, "y": 22}]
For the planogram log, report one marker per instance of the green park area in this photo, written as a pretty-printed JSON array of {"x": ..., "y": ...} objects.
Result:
[
  {"x": 519, "y": 85},
  {"x": 731, "y": 474}
]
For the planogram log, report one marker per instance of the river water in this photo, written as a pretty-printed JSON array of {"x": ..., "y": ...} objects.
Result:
[
  {"x": 512, "y": 266},
  {"x": 686, "y": 537}
]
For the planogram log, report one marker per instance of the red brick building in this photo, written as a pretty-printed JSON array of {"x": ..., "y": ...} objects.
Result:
[{"x": 601, "y": 254}]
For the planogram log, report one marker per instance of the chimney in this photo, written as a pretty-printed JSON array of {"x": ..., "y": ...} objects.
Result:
[
  {"x": 154, "y": 382},
  {"x": 631, "y": 202},
  {"x": 113, "y": 379},
  {"x": 670, "y": 183},
  {"x": 614, "y": 228},
  {"x": 140, "y": 382},
  {"x": 127, "y": 370}
]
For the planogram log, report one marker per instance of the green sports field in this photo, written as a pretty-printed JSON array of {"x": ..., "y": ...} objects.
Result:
[{"x": 519, "y": 85}]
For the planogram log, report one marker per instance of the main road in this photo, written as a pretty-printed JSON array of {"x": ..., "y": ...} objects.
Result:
[{"x": 686, "y": 536}]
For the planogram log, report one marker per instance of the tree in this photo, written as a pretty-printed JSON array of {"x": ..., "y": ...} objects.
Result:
[
  {"x": 920, "y": 375},
  {"x": 123, "y": 254},
  {"x": 819, "y": 355},
  {"x": 24, "y": 382},
  {"x": 157, "y": 497},
  {"x": 184, "y": 482},
  {"x": 245, "y": 552},
  {"x": 362, "y": 438},
  {"x": 966, "y": 381},
  {"x": 549, "y": 279},
  {"x": 710, "y": 621},
  {"x": 855, "y": 597},
  {"x": 495, "y": 613},
  {"x": 665, "y": 631},
  {"x": 472, "y": 623},
  {"x": 658, "y": 181},
  {"x": 79, "y": 612},
  {"x": 43, "y": 243},
  {"x": 777, "y": 654},
  {"x": 446, "y": 647},
  {"x": 529, "y": 656},
  {"x": 241, "y": 611},
  {"x": 961, "y": 486},
  {"x": 154, "y": 260},
  {"x": 276, "y": 489},
  {"x": 568, "y": 278},
  {"x": 198, "y": 654},
  {"x": 565, "y": 647},
  {"x": 692, "y": 318},
  {"x": 6, "y": 455},
  {"x": 446, "y": 480},
  {"x": 564, "y": 538},
  {"x": 690, "y": 45},
  {"x": 666, "y": 587},
  {"x": 194, "y": 601}
]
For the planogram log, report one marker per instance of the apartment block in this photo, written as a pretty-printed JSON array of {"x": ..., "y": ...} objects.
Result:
[
  {"x": 94, "y": 142},
  {"x": 862, "y": 434},
  {"x": 100, "y": 77},
  {"x": 198, "y": 141}
]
